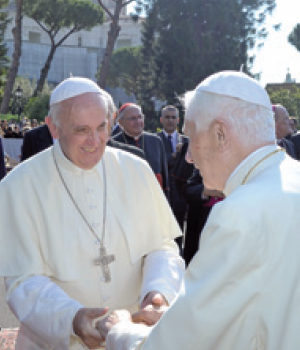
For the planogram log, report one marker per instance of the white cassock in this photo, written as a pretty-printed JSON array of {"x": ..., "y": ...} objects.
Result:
[
  {"x": 47, "y": 251},
  {"x": 242, "y": 289}
]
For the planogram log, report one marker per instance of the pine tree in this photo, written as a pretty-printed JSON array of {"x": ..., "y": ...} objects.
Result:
[
  {"x": 196, "y": 38},
  {"x": 294, "y": 37},
  {"x": 3, "y": 49}
]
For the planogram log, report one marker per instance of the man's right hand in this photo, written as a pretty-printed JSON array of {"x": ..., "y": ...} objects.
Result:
[{"x": 83, "y": 325}]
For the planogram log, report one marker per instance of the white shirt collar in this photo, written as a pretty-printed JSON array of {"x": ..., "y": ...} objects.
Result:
[{"x": 237, "y": 176}]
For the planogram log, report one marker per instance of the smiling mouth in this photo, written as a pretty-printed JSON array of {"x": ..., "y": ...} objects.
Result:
[{"x": 89, "y": 150}]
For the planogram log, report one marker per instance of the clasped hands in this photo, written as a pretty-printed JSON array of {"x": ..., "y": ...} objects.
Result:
[{"x": 92, "y": 334}]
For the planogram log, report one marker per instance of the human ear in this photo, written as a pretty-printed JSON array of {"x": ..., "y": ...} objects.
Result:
[
  {"x": 220, "y": 131},
  {"x": 52, "y": 127}
]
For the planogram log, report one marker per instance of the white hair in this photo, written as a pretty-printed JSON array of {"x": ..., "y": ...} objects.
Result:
[
  {"x": 253, "y": 123},
  {"x": 62, "y": 108}
]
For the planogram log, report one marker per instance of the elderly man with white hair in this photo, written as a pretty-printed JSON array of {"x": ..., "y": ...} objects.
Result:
[
  {"x": 75, "y": 238},
  {"x": 241, "y": 290}
]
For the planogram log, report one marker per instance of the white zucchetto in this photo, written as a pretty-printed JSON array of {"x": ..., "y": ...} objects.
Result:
[
  {"x": 236, "y": 85},
  {"x": 72, "y": 87}
]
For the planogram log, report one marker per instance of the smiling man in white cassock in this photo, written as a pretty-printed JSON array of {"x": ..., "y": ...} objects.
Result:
[
  {"x": 84, "y": 227},
  {"x": 242, "y": 289}
]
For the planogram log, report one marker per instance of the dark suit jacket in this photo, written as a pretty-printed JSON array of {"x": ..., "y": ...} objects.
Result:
[
  {"x": 35, "y": 141},
  {"x": 2, "y": 162},
  {"x": 177, "y": 201},
  {"x": 128, "y": 148},
  {"x": 155, "y": 154},
  {"x": 197, "y": 215},
  {"x": 117, "y": 129},
  {"x": 295, "y": 139},
  {"x": 289, "y": 147}
]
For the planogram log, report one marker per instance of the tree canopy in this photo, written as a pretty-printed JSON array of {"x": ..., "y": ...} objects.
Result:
[
  {"x": 125, "y": 69},
  {"x": 289, "y": 98},
  {"x": 294, "y": 37},
  {"x": 112, "y": 35},
  {"x": 185, "y": 41},
  {"x": 4, "y": 20},
  {"x": 55, "y": 15}
]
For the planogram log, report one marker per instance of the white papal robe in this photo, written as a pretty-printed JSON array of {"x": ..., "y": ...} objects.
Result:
[
  {"x": 242, "y": 289},
  {"x": 47, "y": 251}
]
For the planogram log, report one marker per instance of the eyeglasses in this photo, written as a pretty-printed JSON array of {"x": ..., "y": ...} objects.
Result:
[
  {"x": 168, "y": 117},
  {"x": 134, "y": 119}
]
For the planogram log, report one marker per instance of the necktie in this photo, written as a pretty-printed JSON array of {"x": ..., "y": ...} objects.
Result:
[{"x": 170, "y": 143}]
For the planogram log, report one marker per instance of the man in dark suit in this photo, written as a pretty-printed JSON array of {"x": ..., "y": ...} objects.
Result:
[
  {"x": 2, "y": 162},
  {"x": 35, "y": 141},
  {"x": 131, "y": 120},
  {"x": 296, "y": 142},
  {"x": 173, "y": 142},
  {"x": 284, "y": 130}
]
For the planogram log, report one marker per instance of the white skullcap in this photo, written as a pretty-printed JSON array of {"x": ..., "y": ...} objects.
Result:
[
  {"x": 72, "y": 87},
  {"x": 237, "y": 85}
]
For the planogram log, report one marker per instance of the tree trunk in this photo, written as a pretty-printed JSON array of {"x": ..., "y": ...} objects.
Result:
[
  {"x": 112, "y": 36},
  {"x": 13, "y": 70},
  {"x": 45, "y": 71}
]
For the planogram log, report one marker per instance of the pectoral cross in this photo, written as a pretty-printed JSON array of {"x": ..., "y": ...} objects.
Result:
[{"x": 103, "y": 261}]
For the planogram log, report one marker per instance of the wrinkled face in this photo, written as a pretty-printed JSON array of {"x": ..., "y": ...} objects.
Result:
[
  {"x": 169, "y": 121},
  {"x": 132, "y": 121},
  {"x": 82, "y": 133},
  {"x": 283, "y": 123},
  {"x": 201, "y": 152}
]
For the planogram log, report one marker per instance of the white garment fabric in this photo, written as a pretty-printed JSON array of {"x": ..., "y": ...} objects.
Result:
[
  {"x": 72, "y": 87},
  {"x": 49, "y": 251},
  {"x": 237, "y": 85},
  {"x": 242, "y": 289}
]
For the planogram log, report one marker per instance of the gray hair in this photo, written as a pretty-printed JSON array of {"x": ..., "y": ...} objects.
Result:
[
  {"x": 253, "y": 123},
  {"x": 170, "y": 108},
  {"x": 121, "y": 114},
  {"x": 63, "y": 107}
]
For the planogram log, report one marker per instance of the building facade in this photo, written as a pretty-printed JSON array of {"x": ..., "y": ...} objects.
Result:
[{"x": 80, "y": 55}]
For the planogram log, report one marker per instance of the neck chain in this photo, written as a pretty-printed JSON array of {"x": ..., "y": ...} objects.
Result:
[
  {"x": 136, "y": 145},
  {"x": 259, "y": 162},
  {"x": 104, "y": 258}
]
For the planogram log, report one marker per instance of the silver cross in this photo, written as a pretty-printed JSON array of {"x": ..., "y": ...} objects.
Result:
[{"x": 103, "y": 261}]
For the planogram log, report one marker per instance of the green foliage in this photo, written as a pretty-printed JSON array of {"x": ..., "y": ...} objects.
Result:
[
  {"x": 27, "y": 86},
  {"x": 37, "y": 107},
  {"x": 146, "y": 80},
  {"x": 54, "y": 15},
  {"x": 3, "y": 49},
  {"x": 124, "y": 69},
  {"x": 8, "y": 116},
  {"x": 3, "y": 24},
  {"x": 294, "y": 37},
  {"x": 185, "y": 41},
  {"x": 289, "y": 98}
]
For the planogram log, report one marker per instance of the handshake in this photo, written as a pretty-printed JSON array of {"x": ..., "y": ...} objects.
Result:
[
  {"x": 93, "y": 325},
  {"x": 148, "y": 316}
]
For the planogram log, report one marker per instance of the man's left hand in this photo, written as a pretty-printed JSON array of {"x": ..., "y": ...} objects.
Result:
[
  {"x": 105, "y": 325},
  {"x": 154, "y": 298},
  {"x": 152, "y": 308}
]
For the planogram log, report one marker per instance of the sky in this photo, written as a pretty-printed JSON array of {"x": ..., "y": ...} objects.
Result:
[{"x": 277, "y": 56}]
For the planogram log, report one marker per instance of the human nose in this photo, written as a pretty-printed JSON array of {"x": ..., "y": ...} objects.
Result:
[
  {"x": 188, "y": 156},
  {"x": 93, "y": 137}
]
